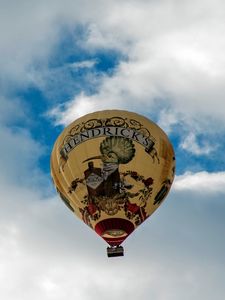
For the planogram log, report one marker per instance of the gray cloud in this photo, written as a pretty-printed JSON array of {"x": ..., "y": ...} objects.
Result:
[
  {"x": 47, "y": 253},
  {"x": 19, "y": 155}
]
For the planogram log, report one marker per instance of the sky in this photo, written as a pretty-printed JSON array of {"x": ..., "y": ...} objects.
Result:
[{"x": 62, "y": 59}]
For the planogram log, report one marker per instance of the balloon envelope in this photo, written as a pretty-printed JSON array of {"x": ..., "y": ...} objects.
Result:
[{"x": 113, "y": 169}]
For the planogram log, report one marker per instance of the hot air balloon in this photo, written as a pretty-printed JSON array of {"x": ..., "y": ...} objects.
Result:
[{"x": 113, "y": 169}]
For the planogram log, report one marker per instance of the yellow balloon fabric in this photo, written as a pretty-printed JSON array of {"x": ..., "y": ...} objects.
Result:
[{"x": 113, "y": 169}]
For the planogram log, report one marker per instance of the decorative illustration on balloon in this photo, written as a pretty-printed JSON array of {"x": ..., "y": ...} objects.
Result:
[
  {"x": 108, "y": 190},
  {"x": 113, "y": 169}
]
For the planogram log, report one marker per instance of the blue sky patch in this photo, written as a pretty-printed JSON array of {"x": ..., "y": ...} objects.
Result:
[
  {"x": 65, "y": 70},
  {"x": 71, "y": 69}
]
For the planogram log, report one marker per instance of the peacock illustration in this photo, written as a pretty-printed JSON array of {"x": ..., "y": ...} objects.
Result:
[
  {"x": 117, "y": 150},
  {"x": 114, "y": 151}
]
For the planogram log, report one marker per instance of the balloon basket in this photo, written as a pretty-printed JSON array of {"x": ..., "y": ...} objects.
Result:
[{"x": 115, "y": 251}]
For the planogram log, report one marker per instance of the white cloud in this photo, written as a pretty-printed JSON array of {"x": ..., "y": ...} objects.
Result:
[
  {"x": 178, "y": 58},
  {"x": 201, "y": 182},
  {"x": 82, "y": 105},
  {"x": 84, "y": 64},
  {"x": 191, "y": 144},
  {"x": 167, "y": 120}
]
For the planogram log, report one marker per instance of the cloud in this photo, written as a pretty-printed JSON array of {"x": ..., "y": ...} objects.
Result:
[
  {"x": 179, "y": 62},
  {"x": 82, "y": 105},
  {"x": 177, "y": 66},
  {"x": 84, "y": 64},
  {"x": 19, "y": 155},
  {"x": 11, "y": 111},
  {"x": 30, "y": 35},
  {"x": 190, "y": 144},
  {"x": 201, "y": 182},
  {"x": 168, "y": 119},
  {"x": 46, "y": 253}
]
